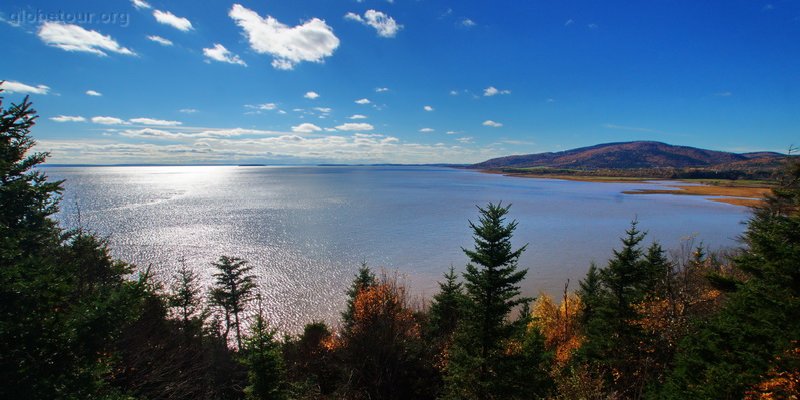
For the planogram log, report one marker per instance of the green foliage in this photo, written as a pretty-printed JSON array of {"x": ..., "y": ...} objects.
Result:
[
  {"x": 264, "y": 360},
  {"x": 364, "y": 279},
  {"x": 447, "y": 307},
  {"x": 233, "y": 289},
  {"x": 732, "y": 351},
  {"x": 488, "y": 349}
]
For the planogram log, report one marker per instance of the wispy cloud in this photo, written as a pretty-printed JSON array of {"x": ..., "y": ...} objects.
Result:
[
  {"x": 354, "y": 126},
  {"x": 468, "y": 23},
  {"x": 154, "y": 122},
  {"x": 306, "y": 128},
  {"x": 221, "y": 54},
  {"x": 74, "y": 38},
  {"x": 492, "y": 124},
  {"x": 160, "y": 40},
  {"x": 103, "y": 120},
  {"x": 93, "y": 93},
  {"x": 68, "y": 118},
  {"x": 188, "y": 110},
  {"x": 312, "y": 41},
  {"x": 140, "y": 4},
  {"x": 19, "y": 87},
  {"x": 168, "y": 18},
  {"x": 493, "y": 91},
  {"x": 381, "y": 89},
  {"x": 357, "y": 116},
  {"x": 385, "y": 25},
  {"x": 427, "y": 130}
]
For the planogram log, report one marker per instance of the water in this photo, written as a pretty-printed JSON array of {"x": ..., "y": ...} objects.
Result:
[{"x": 307, "y": 229}]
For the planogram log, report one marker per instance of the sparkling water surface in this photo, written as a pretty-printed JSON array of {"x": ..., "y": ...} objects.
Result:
[{"x": 307, "y": 229}]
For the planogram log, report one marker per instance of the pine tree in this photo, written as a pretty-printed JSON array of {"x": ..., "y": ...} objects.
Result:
[
  {"x": 759, "y": 323},
  {"x": 447, "y": 307},
  {"x": 186, "y": 301},
  {"x": 485, "y": 342},
  {"x": 233, "y": 289},
  {"x": 264, "y": 359},
  {"x": 364, "y": 279}
]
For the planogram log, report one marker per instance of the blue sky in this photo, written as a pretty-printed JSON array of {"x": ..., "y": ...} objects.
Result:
[{"x": 306, "y": 81}]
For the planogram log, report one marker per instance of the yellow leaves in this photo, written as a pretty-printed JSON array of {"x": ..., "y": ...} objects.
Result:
[
  {"x": 385, "y": 303},
  {"x": 559, "y": 324},
  {"x": 780, "y": 382}
]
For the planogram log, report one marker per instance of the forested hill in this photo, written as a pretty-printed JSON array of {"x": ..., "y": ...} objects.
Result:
[{"x": 635, "y": 155}]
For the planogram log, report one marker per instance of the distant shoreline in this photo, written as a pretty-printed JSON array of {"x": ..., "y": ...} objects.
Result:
[{"x": 744, "y": 194}]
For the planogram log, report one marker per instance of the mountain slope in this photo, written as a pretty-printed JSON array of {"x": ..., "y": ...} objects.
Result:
[{"x": 629, "y": 155}]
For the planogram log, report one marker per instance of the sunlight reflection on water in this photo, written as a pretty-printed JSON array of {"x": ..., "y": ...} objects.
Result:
[{"x": 306, "y": 229}]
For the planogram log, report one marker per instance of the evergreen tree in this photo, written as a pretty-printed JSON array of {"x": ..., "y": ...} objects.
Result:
[
  {"x": 233, "y": 289},
  {"x": 364, "y": 279},
  {"x": 447, "y": 307},
  {"x": 486, "y": 340},
  {"x": 264, "y": 360},
  {"x": 186, "y": 301},
  {"x": 732, "y": 351},
  {"x": 590, "y": 293}
]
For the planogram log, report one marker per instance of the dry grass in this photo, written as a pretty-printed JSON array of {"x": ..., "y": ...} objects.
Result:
[{"x": 746, "y": 196}]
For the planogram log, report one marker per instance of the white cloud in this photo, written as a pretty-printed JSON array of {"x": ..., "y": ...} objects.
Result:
[
  {"x": 427, "y": 108},
  {"x": 465, "y": 140},
  {"x": 312, "y": 41},
  {"x": 93, "y": 93},
  {"x": 381, "y": 89},
  {"x": 264, "y": 106},
  {"x": 492, "y": 124},
  {"x": 362, "y": 101},
  {"x": 454, "y": 93},
  {"x": 452, "y": 132},
  {"x": 426, "y": 130},
  {"x": 468, "y": 22},
  {"x": 150, "y": 133},
  {"x": 151, "y": 121},
  {"x": 493, "y": 91},
  {"x": 168, "y": 18},
  {"x": 311, "y": 95},
  {"x": 108, "y": 121},
  {"x": 358, "y": 116},
  {"x": 19, "y": 87},
  {"x": 68, "y": 118},
  {"x": 160, "y": 40},
  {"x": 385, "y": 25},
  {"x": 140, "y": 4},
  {"x": 353, "y": 126},
  {"x": 306, "y": 128},
  {"x": 188, "y": 110},
  {"x": 221, "y": 54},
  {"x": 569, "y": 22},
  {"x": 324, "y": 110},
  {"x": 74, "y": 38}
]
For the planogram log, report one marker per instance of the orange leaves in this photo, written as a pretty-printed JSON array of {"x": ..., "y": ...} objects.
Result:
[
  {"x": 384, "y": 304},
  {"x": 559, "y": 325}
]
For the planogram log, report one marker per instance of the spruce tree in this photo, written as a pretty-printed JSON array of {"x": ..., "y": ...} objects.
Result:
[
  {"x": 447, "y": 307},
  {"x": 485, "y": 341},
  {"x": 759, "y": 325},
  {"x": 233, "y": 289},
  {"x": 364, "y": 279},
  {"x": 264, "y": 360}
]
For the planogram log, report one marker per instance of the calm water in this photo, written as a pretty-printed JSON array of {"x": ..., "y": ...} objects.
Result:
[{"x": 306, "y": 229}]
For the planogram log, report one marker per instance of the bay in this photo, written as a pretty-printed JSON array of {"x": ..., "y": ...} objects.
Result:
[{"x": 307, "y": 229}]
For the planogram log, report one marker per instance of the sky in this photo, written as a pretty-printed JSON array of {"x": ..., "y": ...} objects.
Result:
[{"x": 402, "y": 81}]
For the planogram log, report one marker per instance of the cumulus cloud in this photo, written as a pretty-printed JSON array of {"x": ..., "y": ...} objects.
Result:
[
  {"x": 426, "y": 130},
  {"x": 492, "y": 124},
  {"x": 68, "y": 118},
  {"x": 93, "y": 93},
  {"x": 312, "y": 41},
  {"x": 385, "y": 25},
  {"x": 108, "y": 121},
  {"x": 311, "y": 95},
  {"x": 493, "y": 91},
  {"x": 362, "y": 101},
  {"x": 357, "y": 116},
  {"x": 151, "y": 121},
  {"x": 168, "y": 18},
  {"x": 221, "y": 54},
  {"x": 427, "y": 108},
  {"x": 71, "y": 37},
  {"x": 140, "y": 4},
  {"x": 353, "y": 126},
  {"x": 160, "y": 40},
  {"x": 306, "y": 128},
  {"x": 19, "y": 87},
  {"x": 381, "y": 89}
]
